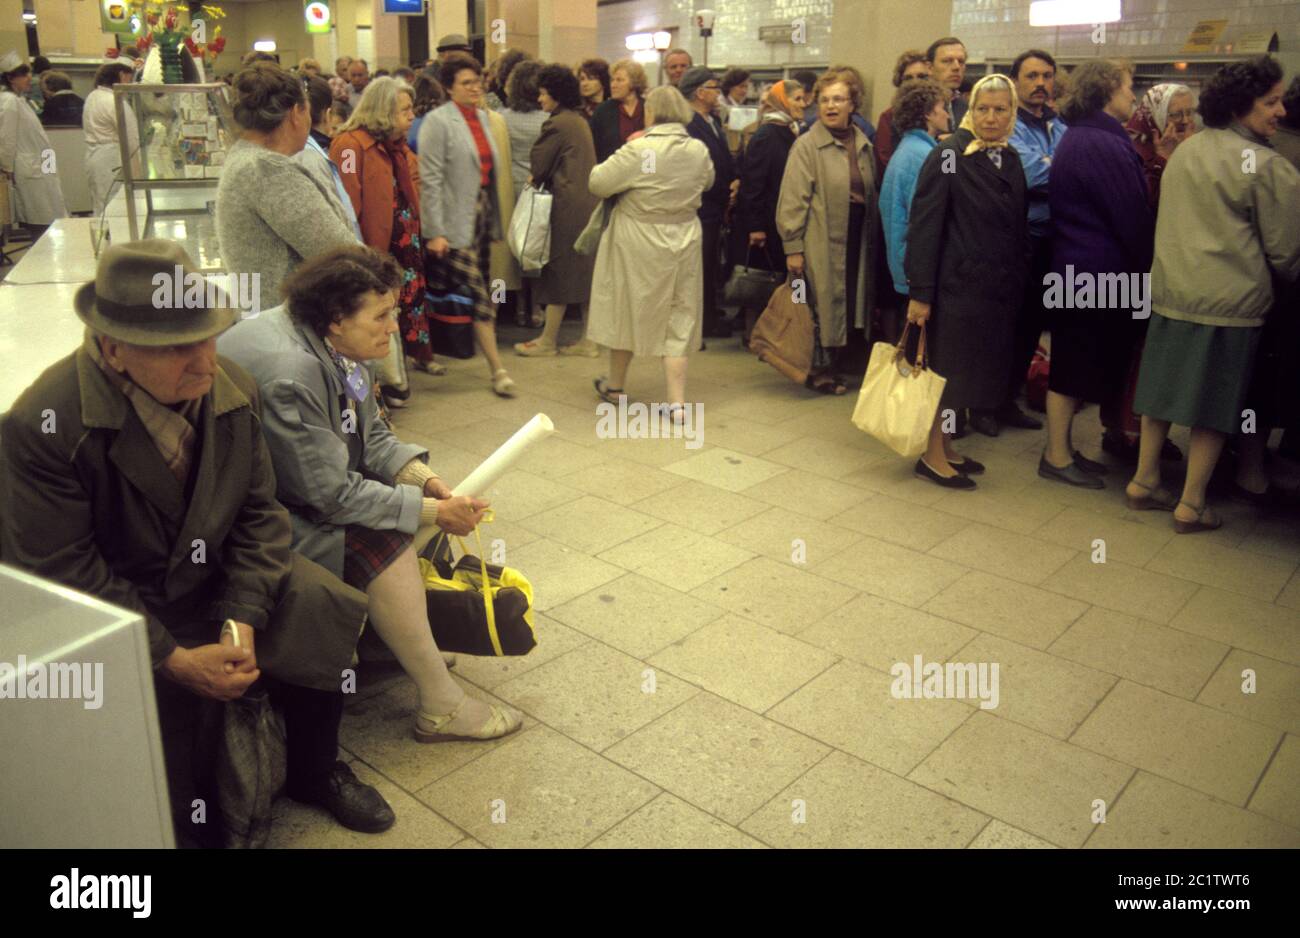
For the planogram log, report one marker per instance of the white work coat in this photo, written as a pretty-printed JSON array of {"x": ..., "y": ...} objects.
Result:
[
  {"x": 103, "y": 155},
  {"x": 647, "y": 292},
  {"x": 25, "y": 152}
]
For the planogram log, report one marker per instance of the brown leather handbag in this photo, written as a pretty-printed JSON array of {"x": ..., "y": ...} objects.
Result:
[{"x": 785, "y": 336}]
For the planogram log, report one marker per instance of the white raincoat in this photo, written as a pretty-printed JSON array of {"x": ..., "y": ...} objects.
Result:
[
  {"x": 25, "y": 152},
  {"x": 103, "y": 155},
  {"x": 647, "y": 292}
]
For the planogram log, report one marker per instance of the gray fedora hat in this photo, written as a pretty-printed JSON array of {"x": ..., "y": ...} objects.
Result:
[
  {"x": 142, "y": 293},
  {"x": 453, "y": 41}
]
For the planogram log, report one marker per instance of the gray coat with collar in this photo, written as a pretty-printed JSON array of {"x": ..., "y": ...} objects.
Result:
[
  {"x": 327, "y": 477},
  {"x": 451, "y": 174}
]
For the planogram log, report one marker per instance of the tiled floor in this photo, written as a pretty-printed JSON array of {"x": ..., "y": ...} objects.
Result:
[{"x": 717, "y": 627}]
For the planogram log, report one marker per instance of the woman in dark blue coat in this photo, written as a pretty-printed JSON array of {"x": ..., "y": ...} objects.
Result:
[
  {"x": 1103, "y": 236},
  {"x": 967, "y": 258}
]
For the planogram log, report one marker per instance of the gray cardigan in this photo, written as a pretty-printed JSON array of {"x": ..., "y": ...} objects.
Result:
[
  {"x": 450, "y": 177},
  {"x": 326, "y": 477},
  {"x": 272, "y": 213}
]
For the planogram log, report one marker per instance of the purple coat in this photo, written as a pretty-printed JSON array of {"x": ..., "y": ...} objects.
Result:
[{"x": 1102, "y": 221}]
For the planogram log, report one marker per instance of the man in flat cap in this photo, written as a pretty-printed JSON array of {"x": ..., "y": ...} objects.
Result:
[
  {"x": 135, "y": 471},
  {"x": 451, "y": 44}
]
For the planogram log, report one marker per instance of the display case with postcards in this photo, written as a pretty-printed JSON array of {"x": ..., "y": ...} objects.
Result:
[{"x": 185, "y": 131}]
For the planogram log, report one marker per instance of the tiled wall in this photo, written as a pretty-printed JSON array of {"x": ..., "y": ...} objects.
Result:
[
  {"x": 735, "y": 34},
  {"x": 990, "y": 28},
  {"x": 1000, "y": 28}
]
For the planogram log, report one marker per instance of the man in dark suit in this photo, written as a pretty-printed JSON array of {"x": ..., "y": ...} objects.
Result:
[{"x": 700, "y": 87}]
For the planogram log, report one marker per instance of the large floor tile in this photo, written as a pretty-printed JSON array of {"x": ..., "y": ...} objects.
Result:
[
  {"x": 1011, "y": 511},
  {"x": 677, "y": 557},
  {"x": 672, "y": 824},
  {"x": 591, "y": 524},
  {"x": 879, "y": 633},
  {"x": 1194, "y": 745},
  {"x": 812, "y": 495},
  {"x": 900, "y": 522},
  {"x": 541, "y": 789},
  {"x": 884, "y": 569},
  {"x": 726, "y": 469},
  {"x": 842, "y": 802},
  {"x": 621, "y": 481},
  {"x": 852, "y": 708},
  {"x": 747, "y": 663},
  {"x": 1126, "y": 541},
  {"x": 1157, "y": 814},
  {"x": 1242, "y": 622},
  {"x": 718, "y": 756},
  {"x": 1024, "y": 614},
  {"x": 559, "y": 573},
  {"x": 1290, "y": 595},
  {"x": 1175, "y": 662},
  {"x": 595, "y": 694},
  {"x": 822, "y": 457},
  {"x": 999, "y": 835},
  {"x": 557, "y": 456},
  {"x": 701, "y": 508},
  {"x": 307, "y": 827},
  {"x": 1118, "y": 586},
  {"x": 779, "y": 596},
  {"x": 790, "y": 537},
  {"x": 745, "y": 436},
  {"x": 1003, "y": 553},
  {"x": 1238, "y": 571},
  {"x": 518, "y": 495},
  {"x": 1028, "y": 779},
  {"x": 1040, "y": 690},
  {"x": 1274, "y": 699},
  {"x": 553, "y": 639},
  {"x": 636, "y": 614},
  {"x": 1276, "y": 795}
]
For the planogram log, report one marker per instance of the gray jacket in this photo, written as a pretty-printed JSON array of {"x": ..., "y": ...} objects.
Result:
[
  {"x": 326, "y": 477},
  {"x": 271, "y": 214},
  {"x": 450, "y": 177}
]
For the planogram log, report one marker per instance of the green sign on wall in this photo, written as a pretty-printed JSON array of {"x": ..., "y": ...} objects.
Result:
[
  {"x": 318, "y": 15},
  {"x": 115, "y": 16}
]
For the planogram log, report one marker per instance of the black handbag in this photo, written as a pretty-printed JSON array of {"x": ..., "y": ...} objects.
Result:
[
  {"x": 457, "y": 601},
  {"x": 752, "y": 287},
  {"x": 451, "y": 324}
]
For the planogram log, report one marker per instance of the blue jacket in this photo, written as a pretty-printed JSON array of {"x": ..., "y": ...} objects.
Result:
[
  {"x": 896, "y": 198},
  {"x": 1035, "y": 140}
]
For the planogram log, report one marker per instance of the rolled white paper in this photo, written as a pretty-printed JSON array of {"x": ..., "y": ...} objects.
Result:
[{"x": 500, "y": 462}]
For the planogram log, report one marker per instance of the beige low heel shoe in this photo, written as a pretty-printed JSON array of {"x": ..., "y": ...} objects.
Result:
[{"x": 500, "y": 722}]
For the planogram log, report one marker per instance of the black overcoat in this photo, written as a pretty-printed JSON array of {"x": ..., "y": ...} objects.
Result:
[
  {"x": 968, "y": 256},
  {"x": 761, "y": 169}
]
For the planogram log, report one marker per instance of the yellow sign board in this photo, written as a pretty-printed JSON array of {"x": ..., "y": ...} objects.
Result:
[{"x": 1204, "y": 35}]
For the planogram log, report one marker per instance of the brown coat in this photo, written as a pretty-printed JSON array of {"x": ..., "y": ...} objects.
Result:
[
  {"x": 370, "y": 181},
  {"x": 562, "y": 160},
  {"x": 92, "y": 505}
]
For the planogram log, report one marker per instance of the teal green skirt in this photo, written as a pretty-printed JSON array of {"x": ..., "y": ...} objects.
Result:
[{"x": 1196, "y": 375}]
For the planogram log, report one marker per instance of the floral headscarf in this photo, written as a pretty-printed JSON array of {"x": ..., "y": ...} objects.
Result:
[
  {"x": 1153, "y": 113},
  {"x": 989, "y": 83}
]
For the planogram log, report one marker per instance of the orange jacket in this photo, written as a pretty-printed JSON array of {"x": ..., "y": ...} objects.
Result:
[{"x": 367, "y": 172}]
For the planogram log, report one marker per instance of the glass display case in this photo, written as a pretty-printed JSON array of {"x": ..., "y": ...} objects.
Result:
[{"x": 184, "y": 132}]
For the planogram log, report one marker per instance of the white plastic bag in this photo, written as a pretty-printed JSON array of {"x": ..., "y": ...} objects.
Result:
[{"x": 529, "y": 237}]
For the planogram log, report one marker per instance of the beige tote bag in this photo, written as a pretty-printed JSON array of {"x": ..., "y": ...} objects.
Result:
[{"x": 899, "y": 399}]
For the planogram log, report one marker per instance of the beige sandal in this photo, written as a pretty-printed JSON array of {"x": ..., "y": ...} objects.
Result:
[
  {"x": 1155, "y": 499},
  {"x": 502, "y": 384},
  {"x": 1200, "y": 524},
  {"x": 535, "y": 349},
  {"x": 500, "y": 722}
]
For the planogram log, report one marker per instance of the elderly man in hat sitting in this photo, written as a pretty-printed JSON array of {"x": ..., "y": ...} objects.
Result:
[{"x": 135, "y": 470}]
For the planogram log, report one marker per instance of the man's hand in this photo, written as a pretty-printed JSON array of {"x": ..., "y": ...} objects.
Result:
[
  {"x": 461, "y": 515},
  {"x": 246, "y": 636},
  {"x": 918, "y": 312},
  {"x": 438, "y": 247},
  {"x": 757, "y": 238},
  {"x": 202, "y": 670},
  {"x": 437, "y": 488}
]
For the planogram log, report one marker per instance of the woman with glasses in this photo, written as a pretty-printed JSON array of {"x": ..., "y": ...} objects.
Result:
[
  {"x": 459, "y": 208},
  {"x": 826, "y": 217},
  {"x": 1165, "y": 118}
]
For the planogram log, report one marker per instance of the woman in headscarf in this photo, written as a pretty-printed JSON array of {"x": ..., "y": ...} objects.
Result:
[
  {"x": 1164, "y": 118},
  {"x": 755, "y": 241},
  {"x": 966, "y": 262},
  {"x": 1103, "y": 229}
]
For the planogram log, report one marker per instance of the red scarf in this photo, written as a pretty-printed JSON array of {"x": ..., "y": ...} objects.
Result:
[{"x": 480, "y": 139}]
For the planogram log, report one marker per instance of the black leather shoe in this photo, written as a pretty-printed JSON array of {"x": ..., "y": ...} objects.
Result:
[
  {"x": 1070, "y": 475},
  {"x": 354, "y": 804},
  {"x": 1090, "y": 466},
  {"x": 958, "y": 481},
  {"x": 1013, "y": 416},
  {"x": 968, "y": 466},
  {"x": 984, "y": 422}
]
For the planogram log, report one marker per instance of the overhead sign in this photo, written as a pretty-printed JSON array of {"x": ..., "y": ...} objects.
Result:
[
  {"x": 115, "y": 16},
  {"x": 1255, "y": 42},
  {"x": 318, "y": 16},
  {"x": 1204, "y": 35},
  {"x": 404, "y": 7}
]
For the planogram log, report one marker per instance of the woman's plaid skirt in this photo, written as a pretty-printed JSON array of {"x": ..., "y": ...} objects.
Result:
[
  {"x": 465, "y": 270},
  {"x": 368, "y": 553}
]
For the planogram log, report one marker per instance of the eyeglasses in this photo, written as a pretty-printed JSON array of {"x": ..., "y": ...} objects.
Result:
[
  {"x": 1183, "y": 116},
  {"x": 712, "y": 87},
  {"x": 836, "y": 101}
]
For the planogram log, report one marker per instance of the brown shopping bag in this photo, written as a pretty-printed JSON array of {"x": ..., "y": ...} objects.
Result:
[
  {"x": 899, "y": 399},
  {"x": 785, "y": 336}
]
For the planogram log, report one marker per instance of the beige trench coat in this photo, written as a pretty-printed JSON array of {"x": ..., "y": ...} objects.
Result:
[
  {"x": 502, "y": 265},
  {"x": 812, "y": 217}
]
